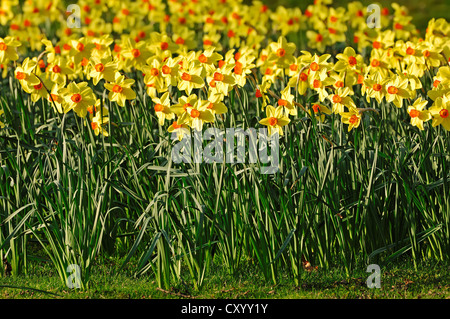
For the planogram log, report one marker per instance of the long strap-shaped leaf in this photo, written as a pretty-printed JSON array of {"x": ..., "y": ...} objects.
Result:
[
  {"x": 18, "y": 227},
  {"x": 422, "y": 236},
  {"x": 136, "y": 243}
]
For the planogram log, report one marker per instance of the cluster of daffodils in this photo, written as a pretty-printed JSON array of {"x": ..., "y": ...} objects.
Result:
[{"x": 189, "y": 55}]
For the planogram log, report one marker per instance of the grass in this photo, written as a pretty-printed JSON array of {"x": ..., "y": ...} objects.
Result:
[
  {"x": 399, "y": 281},
  {"x": 340, "y": 201}
]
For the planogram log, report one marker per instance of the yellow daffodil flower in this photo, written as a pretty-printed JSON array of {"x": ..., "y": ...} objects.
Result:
[
  {"x": 418, "y": 114},
  {"x": 8, "y": 47},
  {"x": 103, "y": 68},
  {"x": 77, "y": 97},
  {"x": 275, "y": 120},
  {"x": 162, "y": 108},
  {"x": 352, "y": 118},
  {"x": 120, "y": 90},
  {"x": 397, "y": 90},
  {"x": 319, "y": 111},
  {"x": 440, "y": 111},
  {"x": 180, "y": 129},
  {"x": 196, "y": 115}
]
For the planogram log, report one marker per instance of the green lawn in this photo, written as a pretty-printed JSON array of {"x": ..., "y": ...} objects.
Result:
[{"x": 397, "y": 281}]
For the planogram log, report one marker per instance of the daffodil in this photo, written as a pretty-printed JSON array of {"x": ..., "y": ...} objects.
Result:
[
  {"x": 301, "y": 81},
  {"x": 440, "y": 110},
  {"x": 162, "y": 108},
  {"x": 180, "y": 129},
  {"x": 216, "y": 105},
  {"x": 344, "y": 79},
  {"x": 24, "y": 73},
  {"x": 185, "y": 39},
  {"x": 412, "y": 55},
  {"x": 397, "y": 90},
  {"x": 58, "y": 70},
  {"x": 183, "y": 103},
  {"x": 26, "y": 30},
  {"x": 336, "y": 25},
  {"x": 120, "y": 90},
  {"x": 378, "y": 68},
  {"x": 341, "y": 99},
  {"x": 156, "y": 10},
  {"x": 52, "y": 51},
  {"x": 4, "y": 69},
  {"x": 320, "y": 86},
  {"x": 438, "y": 91},
  {"x": 414, "y": 85},
  {"x": 348, "y": 60},
  {"x": 222, "y": 79},
  {"x": 196, "y": 115},
  {"x": 233, "y": 35},
  {"x": 362, "y": 37},
  {"x": 6, "y": 12},
  {"x": 190, "y": 79},
  {"x": 39, "y": 91},
  {"x": 8, "y": 47},
  {"x": 383, "y": 40},
  {"x": 135, "y": 54},
  {"x": 431, "y": 54},
  {"x": 357, "y": 13},
  {"x": 127, "y": 15},
  {"x": 55, "y": 100},
  {"x": 271, "y": 73},
  {"x": 275, "y": 120},
  {"x": 319, "y": 66},
  {"x": 442, "y": 76},
  {"x": 318, "y": 40},
  {"x": 243, "y": 65},
  {"x": 81, "y": 49},
  {"x": 103, "y": 68},
  {"x": 212, "y": 39},
  {"x": 261, "y": 92},
  {"x": 212, "y": 22},
  {"x": 403, "y": 27},
  {"x": 154, "y": 74},
  {"x": 282, "y": 52},
  {"x": 208, "y": 59},
  {"x": 161, "y": 44},
  {"x": 261, "y": 61},
  {"x": 294, "y": 68},
  {"x": 99, "y": 118},
  {"x": 287, "y": 101},
  {"x": 319, "y": 111},
  {"x": 169, "y": 71},
  {"x": 77, "y": 97},
  {"x": 352, "y": 118},
  {"x": 373, "y": 89},
  {"x": 418, "y": 114},
  {"x": 285, "y": 20},
  {"x": 102, "y": 46}
]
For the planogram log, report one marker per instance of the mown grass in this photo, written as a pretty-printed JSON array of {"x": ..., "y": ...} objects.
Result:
[
  {"x": 398, "y": 281},
  {"x": 340, "y": 200}
]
